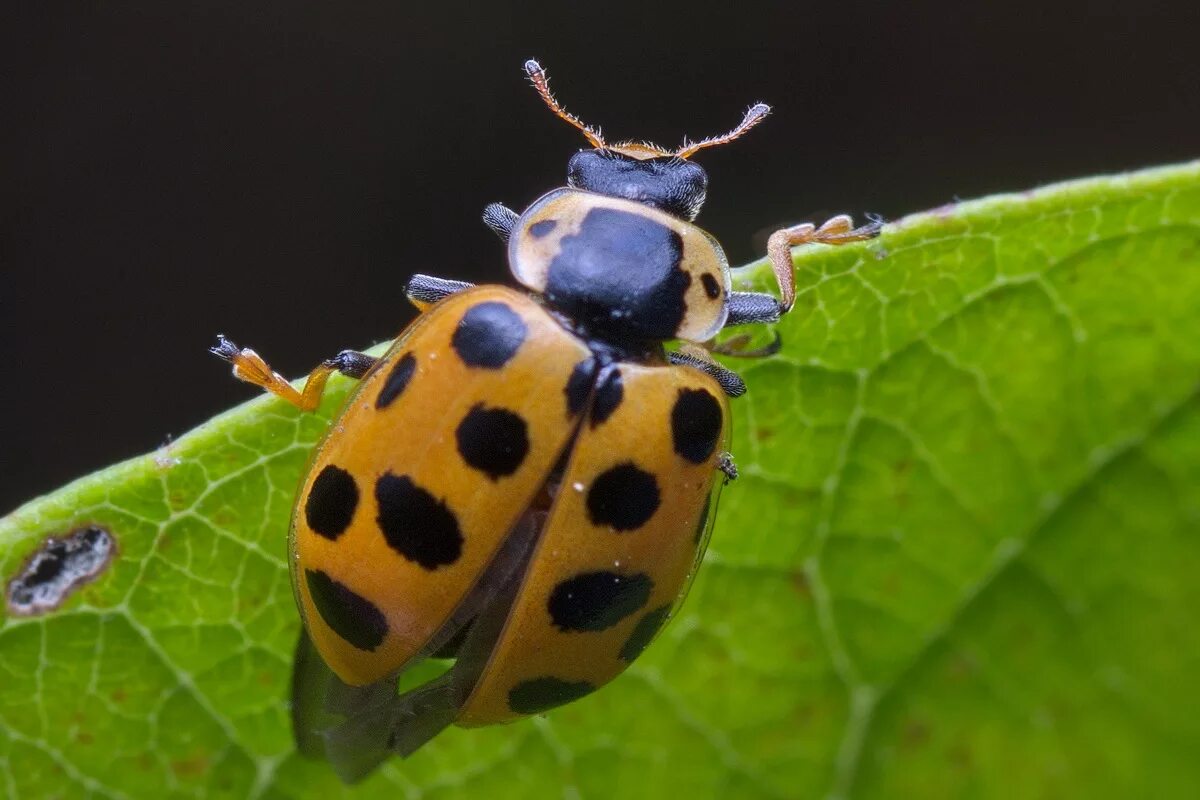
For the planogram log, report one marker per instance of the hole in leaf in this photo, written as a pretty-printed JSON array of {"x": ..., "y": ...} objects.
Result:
[{"x": 58, "y": 568}]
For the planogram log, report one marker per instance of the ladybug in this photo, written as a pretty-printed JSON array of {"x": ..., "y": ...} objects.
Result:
[{"x": 525, "y": 481}]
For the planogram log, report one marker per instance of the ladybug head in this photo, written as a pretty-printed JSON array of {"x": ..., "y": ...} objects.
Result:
[
  {"x": 669, "y": 183},
  {"x": 641, "y": 171}
]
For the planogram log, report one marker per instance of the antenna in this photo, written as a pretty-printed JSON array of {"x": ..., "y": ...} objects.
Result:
[
  {"x": 639, "y": 150},
  {"x": 541, "y": 82},
  {"x": 754, "y": 115}
]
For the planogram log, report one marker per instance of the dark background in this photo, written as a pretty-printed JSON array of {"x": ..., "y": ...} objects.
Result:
[{"x": 276, "y": 170}]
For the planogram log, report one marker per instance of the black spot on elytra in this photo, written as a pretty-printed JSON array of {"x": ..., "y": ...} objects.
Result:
[
  {"x": 579, "y": 385},
  {"x": 488, "y": 335},
  {"x": 711, "y": 287},
  {"x": 542, "y": 694},
  {"x": 416, "y": 524},
  {"x": 397, "y": 380},
  {"x": 695, "y": 424},
  {"x": 59, "y": 567},
  {"x": 595, "y": 601},
  {"x": 331, "y": 502},
  {"x": 643, "y": 633},
  {"x": 542, "y": 227},
  {"x": 494, "y": 441},
  {"x": 623, "y": 497},
  {"x": 350, "y": 615},
  {"x": 702, "y": 525},
  {"x": 621, "y": 272},
  {"x": 609, "y": 392}
]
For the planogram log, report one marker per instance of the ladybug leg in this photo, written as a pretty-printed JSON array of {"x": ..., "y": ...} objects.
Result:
[
  {"x": 501, "y": 219},
  {"x": 752, "y": 308},
  {"x": 838, "y": 230},
  {"x": 250, "y": 367},
  {"x": 738, "y": 347},
  {"x": 425, "y": 290},
  {"x": 692, "y": 356},
  {"x": 759, "y": 308}
]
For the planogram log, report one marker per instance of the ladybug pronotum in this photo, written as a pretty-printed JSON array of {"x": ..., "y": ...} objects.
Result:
[{"x": 524, "y": 482}]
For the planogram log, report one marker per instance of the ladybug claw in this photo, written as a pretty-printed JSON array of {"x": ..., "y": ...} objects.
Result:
[
  {"x": 224, "y": 349},
  {"x": 726, "y": 465}
]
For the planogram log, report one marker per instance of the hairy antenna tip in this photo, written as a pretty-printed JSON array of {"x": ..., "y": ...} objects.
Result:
[
  {"x": 532, "y": 68},
  {"x": 758, "y": 111}
]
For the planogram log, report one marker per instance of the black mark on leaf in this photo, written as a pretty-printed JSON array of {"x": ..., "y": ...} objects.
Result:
[{"x": 58, "y": 568}]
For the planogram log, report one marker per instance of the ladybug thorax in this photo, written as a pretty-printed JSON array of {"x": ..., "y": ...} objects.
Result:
[{"x": 621, "y": 268}]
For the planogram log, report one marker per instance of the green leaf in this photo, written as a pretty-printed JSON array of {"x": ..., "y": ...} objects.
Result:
[{"x": 961, "y": 559}]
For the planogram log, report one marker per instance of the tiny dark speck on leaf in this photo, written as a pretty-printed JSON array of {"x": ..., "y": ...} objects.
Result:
[
  {"x": 800, "y": 582},
  {"x": 57, "y": 568},
  {"x": 916, "y": 734},
  {"x": 198, "y": 763},
  {"x": 960, "y": 756}
]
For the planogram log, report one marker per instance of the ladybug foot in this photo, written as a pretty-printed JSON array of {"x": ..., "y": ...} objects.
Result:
[
  {"x": 726, "y": 465},
  {"x": 250, "y": 367}
]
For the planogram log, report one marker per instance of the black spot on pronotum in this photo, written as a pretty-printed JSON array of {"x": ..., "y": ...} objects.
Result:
[
  {"x": 397, "y": 380},
  {"x": 621, "y": 272},
  {"x": 348, "y": 614},
  {"x": 711, "y": 287},
  {"x": 579, "y": 385},
  {"x": 609, "y": 392},
  {"x": 542, "y": 227},
  {"x": 59, "y": 567},
  {"x": 542, "y": 694},
  {"x": 416, "y": 524},
  {"x": 643, "y": 633},
  {"x": 595, "y": 601},
  {"x": 488, "y": 335},
  {"x": 494, "y": 441},
  {"x": 695, "y": 424},
  {"x": 331, "y": 502},
  {"x": 623, "y": 497}
]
